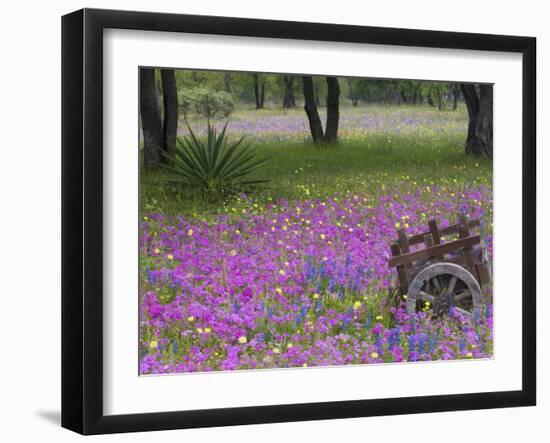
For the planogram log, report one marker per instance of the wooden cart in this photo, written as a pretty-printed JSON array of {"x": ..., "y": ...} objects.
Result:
[{"x": 437, "y": 274}]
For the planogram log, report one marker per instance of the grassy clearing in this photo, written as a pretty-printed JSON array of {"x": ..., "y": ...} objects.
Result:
[{"x": 420, "y": 145}]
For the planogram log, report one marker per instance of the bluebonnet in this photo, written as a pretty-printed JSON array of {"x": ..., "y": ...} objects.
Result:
[
  {"x": 395, "y": 337},
  {"x": 412, "y": 346},
  {"x": 151, "y": 275},
  {"x": 368, "y": 322},
  {"x": 319, "y": 306},
  {"x": 341, "y": 293},
  {"x": 378, "y": 341},
  {"x": 422, "y": 339},
  {"x": 432, "y": 342}
]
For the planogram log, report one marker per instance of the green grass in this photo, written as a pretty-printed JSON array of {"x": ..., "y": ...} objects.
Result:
[{"x": 362, "y": 161}]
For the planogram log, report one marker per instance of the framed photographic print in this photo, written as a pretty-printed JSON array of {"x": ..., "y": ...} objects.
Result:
[{"x": 270, "y": 221}]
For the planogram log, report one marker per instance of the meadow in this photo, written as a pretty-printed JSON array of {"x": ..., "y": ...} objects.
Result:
[{"x": 293, "y": 273}]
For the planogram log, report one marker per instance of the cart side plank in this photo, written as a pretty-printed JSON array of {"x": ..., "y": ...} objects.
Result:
[
  {"x": 464, "y": 232},
  {"x": 453, "y": 229},
  {"x": 434, "y": 251},
  {"x": 402, "y": 273}
]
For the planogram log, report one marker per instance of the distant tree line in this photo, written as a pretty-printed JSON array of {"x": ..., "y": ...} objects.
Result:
[{"x": 166, "y": 92}]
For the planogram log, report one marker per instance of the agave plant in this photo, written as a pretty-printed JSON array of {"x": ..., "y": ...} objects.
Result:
[{"x": 213, "y": 164}]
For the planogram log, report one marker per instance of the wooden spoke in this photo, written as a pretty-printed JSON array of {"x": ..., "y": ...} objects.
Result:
[
  {"x": 436, "y": 283},
  {"x": 462, "y": 295},
  {"x": 425, "y": 296},
  {"x": 452, "y": 283}
]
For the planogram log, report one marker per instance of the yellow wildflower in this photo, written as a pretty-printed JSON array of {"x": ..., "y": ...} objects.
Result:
[
  {"x": 357, "y": 305},
  {"x": 153, "y": 344},
  {"x": 191, "y": 319},
  {"x": 316, "y": 296},
  {"x": 374, "y": 354},
  {"x": 242, "y": 339},
  {"x": 190, "y": 232}
]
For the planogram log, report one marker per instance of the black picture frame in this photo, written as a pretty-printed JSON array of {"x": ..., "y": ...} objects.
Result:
[{"x": 82, "y": 218}]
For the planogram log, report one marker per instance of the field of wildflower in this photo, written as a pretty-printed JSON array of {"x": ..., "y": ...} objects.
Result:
[{"x": 294, "y": 274}]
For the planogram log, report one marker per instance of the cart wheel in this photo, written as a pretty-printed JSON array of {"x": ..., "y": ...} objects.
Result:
[{"x": 445, "y": 285}]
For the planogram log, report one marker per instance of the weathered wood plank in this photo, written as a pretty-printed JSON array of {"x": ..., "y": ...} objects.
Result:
[
  {"x": 467, "y": 252},
  {"x": 403, "y": 241},
  {"x": 403, "y": 276},
  {"x": 395, "y": 249},
  {"x": 428, "y": 240},
  {"x": 402, "y": 273},
  {"x": 434, "y": 230},
  {"x": 434, "y": 251},
  {"x": 483, "y": 273},
  {"x": 452, "y": 229}
]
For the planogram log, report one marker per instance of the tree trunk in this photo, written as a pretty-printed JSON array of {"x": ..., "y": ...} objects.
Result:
[
  {"x": 311, "y": 110},
  {"x": 257, "y": 91},
  {"x": 472, "y": 104},
  {"x": 456, "y": 93},
  {"x": 484, "y": 121},
  {"x": 479, "y": 141},
  {"x": 289, "y": 100},
  {"x": 262, "y": 94},
  {"x": 150, "y": 117},
  {"x": 317, "y": 94},
  {"x": 429, "y": 98},
  {"x": 439, "y": 100},
  {"x": 227, "y": 80},
  {"x": 170, "y": 100},
  {"x": 403, "y": 96},
  {"x": 333, "y": 114},
  {"x": 352, "y": 93}
]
